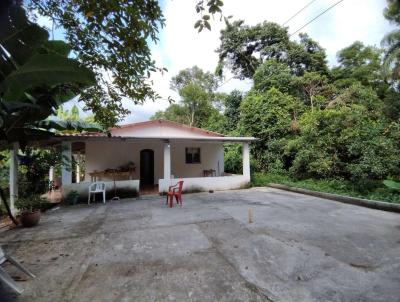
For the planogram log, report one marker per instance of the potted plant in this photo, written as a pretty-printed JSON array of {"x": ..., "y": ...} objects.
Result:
[
  {"x": 29, "y": 210},
  {"x": 72, "y": 197}
]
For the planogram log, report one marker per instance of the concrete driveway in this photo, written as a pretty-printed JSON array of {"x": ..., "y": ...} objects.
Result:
[{"x": 299, "y": 248}]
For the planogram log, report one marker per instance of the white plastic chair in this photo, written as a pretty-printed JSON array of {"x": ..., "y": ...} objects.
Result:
[
  {"x": 97, "y": 187},
  {"x": 5, "y": 277}
]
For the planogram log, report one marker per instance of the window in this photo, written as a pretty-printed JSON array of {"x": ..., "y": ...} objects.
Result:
[{"x": 192, "y": 155}]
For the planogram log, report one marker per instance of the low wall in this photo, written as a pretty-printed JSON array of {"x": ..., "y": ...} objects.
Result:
[
  {"x": 199, "y": 184},
  {"x": 125, "y": 189}
]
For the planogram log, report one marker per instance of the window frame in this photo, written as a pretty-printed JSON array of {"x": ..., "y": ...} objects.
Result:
[{"x": 192, "y": 162}]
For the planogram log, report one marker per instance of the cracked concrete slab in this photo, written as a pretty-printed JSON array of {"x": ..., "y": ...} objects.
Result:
[{"x": 299, "y": 248}]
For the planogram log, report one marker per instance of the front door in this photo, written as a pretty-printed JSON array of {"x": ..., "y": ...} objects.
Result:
[{"x": 147, "y": 167}]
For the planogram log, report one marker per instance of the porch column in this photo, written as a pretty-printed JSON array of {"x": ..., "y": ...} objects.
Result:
[
  {"x": 246, "y": 160},
  {"x": 13, "y": 176},
  {"x": 66, "y": 161},
  {"x": 78, "y": 167},
  {"x": 167, "y": 160},
  {"x": 51, "y": 173}
]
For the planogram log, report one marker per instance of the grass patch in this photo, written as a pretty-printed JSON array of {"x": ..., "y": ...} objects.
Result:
[{"x": 369, "y": 189}]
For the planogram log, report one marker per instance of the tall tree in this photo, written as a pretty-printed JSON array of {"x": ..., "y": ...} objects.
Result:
[
  {"x": 196, "y": 89},
  {"x": 243, "y": 48},
  {"x": 361, "y": 63},
  {"x": 232, "y": 110},
  {"x": 391, "y": 41}
]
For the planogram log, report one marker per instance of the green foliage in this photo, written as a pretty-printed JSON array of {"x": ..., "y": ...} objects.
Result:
[
  {"x": 233, "y": 158},
  {"x": 231, "y": 115},
  {"x": 198, "y": 100},
  {"x": 270, "y": 117},
  {"x": 343, "y": 142},
  {"x": 72, "y": 197},
  {"x": 391, "y": 184},
  {"x": 212, "y": 7},
  {"x": 360, "y": 63},
  {"x": 30, "y": 203},
  {"x": 244, "y": 48},
  {"x": 34, "y": 170},
  {"x": 391, "y": 41},
  {"x": 111, "y": 37},
  {"x": 373, "y": 190},
  {"x": 195, "y": 76},
  {"x": 273, "y": 74},
  {"x": 35, "y": 76}
]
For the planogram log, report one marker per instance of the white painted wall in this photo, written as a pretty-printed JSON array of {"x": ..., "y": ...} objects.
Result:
[
  {"x": 102, "y": 155},
  {"x": 206, "y": 183},
  {"x": 83, "y": 188},
  {"x": 211, "y": 155}
]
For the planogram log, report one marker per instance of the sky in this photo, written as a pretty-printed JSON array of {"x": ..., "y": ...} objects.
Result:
[{"x": 181, "y": 47}]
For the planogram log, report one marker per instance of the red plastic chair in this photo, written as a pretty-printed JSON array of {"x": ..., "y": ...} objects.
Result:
[{"x": 176, "y": 191}]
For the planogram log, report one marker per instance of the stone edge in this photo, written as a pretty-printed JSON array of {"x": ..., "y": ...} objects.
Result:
[{"x": 372, "y": 204}]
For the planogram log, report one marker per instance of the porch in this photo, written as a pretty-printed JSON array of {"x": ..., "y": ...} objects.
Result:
[{"x": 155, "y": 164}]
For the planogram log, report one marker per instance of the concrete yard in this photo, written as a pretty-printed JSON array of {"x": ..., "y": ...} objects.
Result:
[{"x": 299, "y": 248}]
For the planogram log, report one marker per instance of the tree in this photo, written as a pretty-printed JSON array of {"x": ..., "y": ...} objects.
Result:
[
  {"x": 343, "y": 141},
  {"x": 359, "y": 63},
  {"x": 269, "y": 116},
  {"x": 232, "y": 110},
  {"x": 315, "y": 87},
  {"x": 196, "y": 89},
  {"x": 273, "y": 74},
  {"x": 111, "y": 38},
  {"x": 195, "y": 75},
  {"x": 244, "y": 48},
  {"x": 391, "y": 41}
]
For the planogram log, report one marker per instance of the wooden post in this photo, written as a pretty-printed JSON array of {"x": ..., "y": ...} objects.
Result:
[{"x": 251, "y": 218}]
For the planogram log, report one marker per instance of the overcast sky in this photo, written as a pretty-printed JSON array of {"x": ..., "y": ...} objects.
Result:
[{"x": 180, "y": 45}]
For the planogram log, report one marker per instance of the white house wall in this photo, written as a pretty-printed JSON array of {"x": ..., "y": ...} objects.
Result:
[
  {"x": 211, "y": 157},
  {"x": 102, "y": 155},
  {"x": 199, "y": 184}
]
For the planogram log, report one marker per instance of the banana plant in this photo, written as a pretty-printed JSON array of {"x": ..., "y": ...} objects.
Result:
[
  {"x": 36, "y": 77},
  {"x": 391, "y": 184}
]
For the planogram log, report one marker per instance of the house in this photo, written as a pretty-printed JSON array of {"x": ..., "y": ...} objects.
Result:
[{"x": 149, "y": 157}]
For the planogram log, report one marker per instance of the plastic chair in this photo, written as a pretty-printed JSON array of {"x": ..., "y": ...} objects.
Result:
[
  {"x": 176, "y": 191},
  {"x": 97, "y": 187},
  {"x": 5, "y": 277}
]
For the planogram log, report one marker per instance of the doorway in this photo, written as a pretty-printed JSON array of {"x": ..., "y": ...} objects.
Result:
[{"x": 146, "y": 168}]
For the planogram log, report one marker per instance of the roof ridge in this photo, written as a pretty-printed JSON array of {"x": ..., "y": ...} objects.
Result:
[{"x": 149, "y": 122}]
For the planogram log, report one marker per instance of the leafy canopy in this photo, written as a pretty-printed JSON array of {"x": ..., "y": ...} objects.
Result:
[
  {"x": 111, "y": 38},
  {"x": 244, "y": 48}
]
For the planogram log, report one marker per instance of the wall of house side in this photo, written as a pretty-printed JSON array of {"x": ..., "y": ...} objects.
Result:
[
  {"x": 102, "y": 155},
  {"x": 211, "y": 157},
  {"x": 201, "y": 184}
]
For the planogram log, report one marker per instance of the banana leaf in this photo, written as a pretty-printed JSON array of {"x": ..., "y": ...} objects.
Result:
[
  {"x": 44, "y": 70},
  {"x": 391, "y": 184}
]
